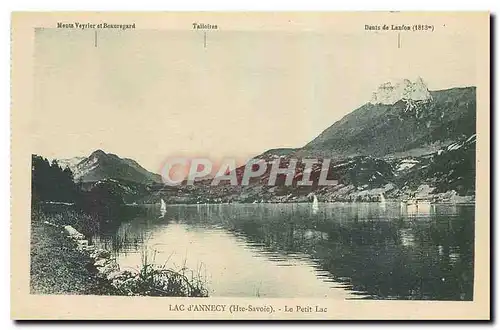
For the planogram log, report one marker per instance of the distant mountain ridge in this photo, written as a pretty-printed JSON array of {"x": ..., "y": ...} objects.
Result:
[
  {"x": 405, "y": 141},
  {"x": 103, "y": 166},
  {"x": 70, "y": 162}
]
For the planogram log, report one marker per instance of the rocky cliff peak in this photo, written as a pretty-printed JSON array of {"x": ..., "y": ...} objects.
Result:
[{"x": 406, "y": 90}]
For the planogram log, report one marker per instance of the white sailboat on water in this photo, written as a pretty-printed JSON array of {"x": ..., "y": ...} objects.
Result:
[
  {"x": 163, "y": 208},
  {"x": 315, "y": 206},
  {"x": 382, "y": 201}
]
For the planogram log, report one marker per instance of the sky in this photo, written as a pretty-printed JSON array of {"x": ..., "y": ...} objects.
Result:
[{"x": 153, "y": 94}]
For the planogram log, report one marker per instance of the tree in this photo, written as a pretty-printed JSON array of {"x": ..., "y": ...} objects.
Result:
[{"x": 49, "y": 182}]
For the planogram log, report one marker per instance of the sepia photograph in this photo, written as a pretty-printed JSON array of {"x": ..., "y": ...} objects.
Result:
[{"x": 270, "y": 166}]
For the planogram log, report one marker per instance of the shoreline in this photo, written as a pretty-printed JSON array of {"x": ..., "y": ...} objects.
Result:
[
  {"x": 388, "y": 201},
  {"x": 62, "y": 261},
  {"x": 338, "y": 194}
]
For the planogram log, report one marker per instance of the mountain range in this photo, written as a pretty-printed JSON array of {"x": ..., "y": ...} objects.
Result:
[{"x": 405, "y": 138}]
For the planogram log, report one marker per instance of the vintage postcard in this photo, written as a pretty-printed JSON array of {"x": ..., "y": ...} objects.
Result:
[{"x": 271, "y": 166}]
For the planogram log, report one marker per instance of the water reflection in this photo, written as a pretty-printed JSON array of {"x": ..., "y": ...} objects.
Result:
[{"x": 286, "y": 250}]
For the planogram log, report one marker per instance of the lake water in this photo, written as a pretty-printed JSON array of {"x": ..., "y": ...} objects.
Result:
[{"x": 340, "y": 250}]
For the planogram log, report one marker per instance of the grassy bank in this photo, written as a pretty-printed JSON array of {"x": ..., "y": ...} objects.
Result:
[{"x": 57, "y": 267}]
